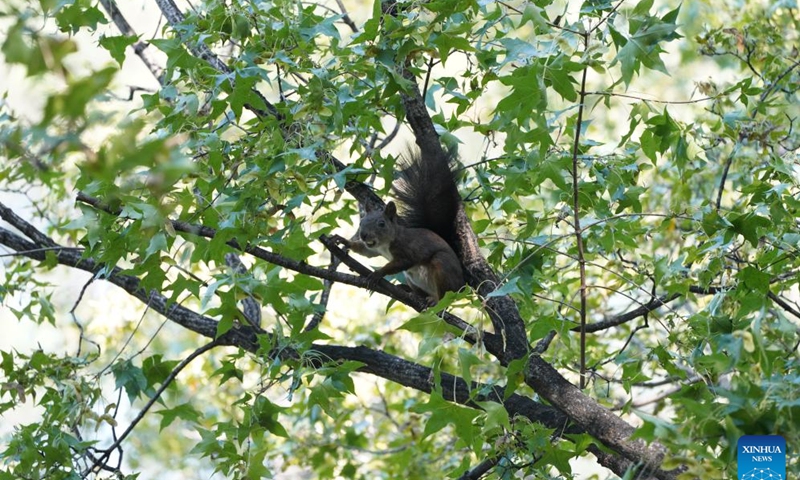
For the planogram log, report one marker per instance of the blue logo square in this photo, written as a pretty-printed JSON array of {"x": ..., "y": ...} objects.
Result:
[{"x": 761, "y": 457}]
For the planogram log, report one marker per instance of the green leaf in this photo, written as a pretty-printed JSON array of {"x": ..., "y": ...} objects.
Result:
[
  {"x": 467, "y": 359},
  {"x": 447, "y": 43},
  {"x": 156, "y": 370},
  {"x": 224, "y": 325},
  {"x": 536, "y": 15},
  {"x": 265, "y": 414},
  {"x": 496, "y": 416},
  {"x": 158, "y": 243},
  {"x": 184, "y": 411},
  {"x": 77, "y": 15},
  {"x": 428, "y": 324},
  {"x": 527, "y": 93},
  {"x": 47, "y": 5},
  {"x": 755, "y": 279},
  {"x": 116, "y": 45},
  {"x": 508, "y": 288},
  {"x": 514, "y": 376},
  {"x": 749, "y": 226},
  {"x": 443, "y": 413},
  {"x": 73, "y": 102},
  {"x": 227, "y": 371},
  {"x": 129, "y": 377}
]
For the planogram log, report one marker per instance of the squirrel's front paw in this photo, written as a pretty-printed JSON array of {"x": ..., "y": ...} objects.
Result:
[{"x": 373, "y": 280}]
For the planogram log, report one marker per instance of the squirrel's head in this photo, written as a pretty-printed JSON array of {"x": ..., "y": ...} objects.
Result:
[{"x": 378, "y": 226}]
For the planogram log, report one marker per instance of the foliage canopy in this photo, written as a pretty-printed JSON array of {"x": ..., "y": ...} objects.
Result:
[{"x": 630, "y": 164}]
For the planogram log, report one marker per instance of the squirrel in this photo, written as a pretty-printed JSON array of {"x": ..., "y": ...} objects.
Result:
[{"x": 419, "y": 241}]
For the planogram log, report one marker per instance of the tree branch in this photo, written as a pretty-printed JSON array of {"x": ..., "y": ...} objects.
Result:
[
  {"x": 481, "y": 469},
  {"x": 502, "y": 310},
  {"x": 375, "y": 362},
  {"x": 576, "y": 216},
  {"x": 597, "y": 420}
]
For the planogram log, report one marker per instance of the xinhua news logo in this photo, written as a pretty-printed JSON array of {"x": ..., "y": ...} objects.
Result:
[{"x": 761, "y": 457}]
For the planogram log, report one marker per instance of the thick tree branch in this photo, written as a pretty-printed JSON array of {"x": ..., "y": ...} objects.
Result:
[
  {"x": 375, "y": 362},
  {"x": 597, "y": 420},
  {"x": 503, "y": 312},
  {"x": 492, "y": 342}
]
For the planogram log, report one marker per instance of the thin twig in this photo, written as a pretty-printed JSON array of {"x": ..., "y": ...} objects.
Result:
[
  {"x": 783, "y": 304},
  {"x": 44, "y": 249},
  {"x": 604, "y": 19},
  {"x": 153, "y": 400},
  {"x": 346, "y": 18},
  {"x": 81, "y": 337},
  {"x": 576, "y": 216},
  {"x": 653, "y": 100},
  {"x": 327, "y": 286}
]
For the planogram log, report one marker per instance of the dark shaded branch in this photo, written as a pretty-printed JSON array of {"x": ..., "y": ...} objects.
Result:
[
  {"x": 784, "y": 305},
  {"x": 596, "y": 419},
  {"x": 346, "y": 18},
  {"x": 576, "y": 216},
  {"x": 375, "y": 362},
  {"x": 454, "y": 389},
  {"x": 503, "y": 312},
  {"x": 492, "y": 342},
  {"x": 630, "y": 315},
  {"x": 385, "y": 288},
  {"x": 327, "y": 286},
  {"x": 648, "y": 307},
  {"x": 43, "y": 242},
  {"x": 616, "y": 463},
  {"x": 724, "y": 177},
  {"x": 480, "y": 469}
]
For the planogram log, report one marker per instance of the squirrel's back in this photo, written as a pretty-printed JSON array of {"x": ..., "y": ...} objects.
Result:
[{"x": 428, "y": 193}]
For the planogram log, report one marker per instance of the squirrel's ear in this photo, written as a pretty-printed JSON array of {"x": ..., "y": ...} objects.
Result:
[{"x": 390, "y": 211}]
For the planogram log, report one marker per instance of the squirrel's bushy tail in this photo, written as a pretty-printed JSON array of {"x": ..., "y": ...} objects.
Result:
[{"x": 428, "y": 193}]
